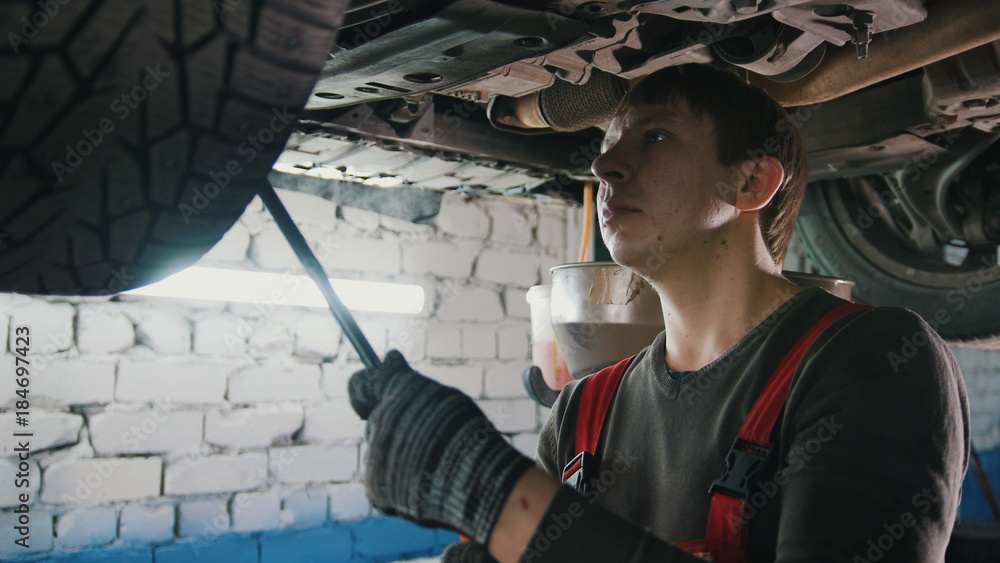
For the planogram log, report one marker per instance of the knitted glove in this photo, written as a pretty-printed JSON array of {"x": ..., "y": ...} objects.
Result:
[
  {"x": 433, "y": 457},
  {"x": 466, "y": 552}
]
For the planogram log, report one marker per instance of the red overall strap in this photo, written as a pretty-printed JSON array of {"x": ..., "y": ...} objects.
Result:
[
  {"x": 728, "y": 530},
  {"x": 595, "y": 400}
]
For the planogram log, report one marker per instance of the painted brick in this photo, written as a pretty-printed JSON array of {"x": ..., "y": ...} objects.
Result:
[
  {"x": 479, "y": 342},
  {"x": 270, "y": 250},
  {"x": 231, "y": 249},
  {"x": 86, "y": 527},
  {"x": 313, "y": 464},
  {"x": 257, "y": 427},
  {"x": 514, "y": 342},
  {"x": 271, "y": 341},
  {"x": 39, "y": 537},
  {"x": 220, "y": 334},
  {"x": 101, "y": 480},
  {"x": 50, "y": 326},
  {"x": 143, "y": 381},
  {"x": 317, "y": 338},
  {"x": 503, "y": 381},
  {"x": 335, "y": 377},
  {"x": 526, "y": 443},
  {"x": 165, "y": 332},
  {"x": 511, "y": 415},
  {"x": 207, "y": 517},
  {"x": 444, "y": 342},
  {"x": 305, "y": 508},
  {"x": 73, "y": 382},
  {"x": 415, "y": 230},
  {"x": 308, "y": 208},
  {"x": 381, "y": 538},
  {"x": 4, "y": 324},
  {"x": 515, "y": 302},
  {"x": 255, "y": 512},
  {"x": 105, "y": 555},
  {"x": 361, "y": 219},
  {"x": 551, "y": 234},
  {"x": 410, "y": 338},
  {"x": 449, "y": 259},
  {"x": 215, "y": 474},
  {"x": 9, "y": 491},
  {"x": 507, "y": 268},
  {"x": 348, "y": 502},
  {"x": 462, "y": 217},
  {"x": 329, "y": 544},
  {"x": 467, "y": 378},
  {"x": 274, "y": 383},
  {"x": 381, "y": 256},
  {"x": 237, "y": 549},
  {"x": 50, "y": 429},
  {"x": 469, "y": 303},
  {"x": 144, "y": 432},
  {"x": 146, "y": 524},
  {"x": 103, "y": 331},
  {"x": 512, "y": 224},
  {"x": 545, "y": 264},
  {"x": 333, "y": 421}
]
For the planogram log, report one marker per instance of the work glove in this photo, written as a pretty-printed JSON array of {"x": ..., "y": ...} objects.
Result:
[
  {"x": 466, "y": 552},
  {"x": 433, "y": 457}
]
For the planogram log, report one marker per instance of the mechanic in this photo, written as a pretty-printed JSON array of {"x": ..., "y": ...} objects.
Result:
[{"x": 862, "y": 461}]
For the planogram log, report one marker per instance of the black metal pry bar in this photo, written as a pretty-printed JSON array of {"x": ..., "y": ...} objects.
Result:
[{"x": 315, "y": 271}]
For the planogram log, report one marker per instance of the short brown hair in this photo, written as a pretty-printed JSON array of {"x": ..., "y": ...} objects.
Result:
[{"x": 748, "y": 124}]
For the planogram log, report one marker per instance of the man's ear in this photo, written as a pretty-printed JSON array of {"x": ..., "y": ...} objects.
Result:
[{"x": 762, "y": 182}]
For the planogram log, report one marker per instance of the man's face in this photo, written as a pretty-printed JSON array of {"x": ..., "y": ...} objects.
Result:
[{"x": 663, "y": 191}]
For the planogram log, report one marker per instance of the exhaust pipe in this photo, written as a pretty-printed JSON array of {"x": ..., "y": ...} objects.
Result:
[{"x": 561, "y": 107}]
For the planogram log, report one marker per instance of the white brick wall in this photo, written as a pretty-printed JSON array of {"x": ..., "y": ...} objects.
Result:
[
  {"x": 306, "y": 507},
  {"x": 504, "y": 381},
  {"x": 462, "y": 217},
  {"x": 317, "y": 337},
  {"x": 348, "y": 502},
  {"x": 336, "y": 376},
  {"x": 469, "y": 303},
  {"x": 444, "y": 342},
  {"x": 516, "y": 303},
  {"x": 51, "y": 326},
  {"x": 333, "y": 421},
  {"x": 101, "y": 480},
  {"x": 40, "y": 534},
  {"x": 508, "y": 268},
  {"x": 166, "y": 332},
  {"x": 215, "y": 474},
  {"x": 479, "y": 342},
  {"x": 381, "y": 256},
  {"x": 274, "y": 383},
  {"x": 514, "y": 342},
  {"x": 313, "y": 464},
  {"x": 220, "y": 334},
  {"x": 255, "y": 512},
  {"x": 141, "y": 524},
  {"x": 203, "y": 518},
  {"x": 147, "y": 431},
  {"x": 103, "y": 331},
  {"x": 511, "y": 415},
  {"x": 255, "y": 427},
  {"x": 73, "y": 382},
  {"x": 450, "y": 259},
  {"x": 87, "y": 527},
  {"x": 511, "y": 224},
  {"x": 190, "y": 382}
]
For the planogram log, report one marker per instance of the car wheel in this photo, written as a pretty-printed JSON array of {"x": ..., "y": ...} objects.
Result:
[
  {"x": 134, "y": 134},
  {"x": 850, "y": 234}
]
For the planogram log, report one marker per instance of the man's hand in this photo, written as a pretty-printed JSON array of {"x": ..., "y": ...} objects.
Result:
[{"x": 433, "y": 457}]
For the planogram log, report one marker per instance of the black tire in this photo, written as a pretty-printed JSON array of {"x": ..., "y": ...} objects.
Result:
[
  {"x": 844, "y": 238},
  {"x": 125, "y": 126}
]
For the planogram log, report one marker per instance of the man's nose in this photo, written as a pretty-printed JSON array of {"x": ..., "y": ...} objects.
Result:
[{"x": 609, "y": 167}]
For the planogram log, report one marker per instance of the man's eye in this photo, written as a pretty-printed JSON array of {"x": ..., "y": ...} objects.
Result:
[{"x": 655, "y": 136}]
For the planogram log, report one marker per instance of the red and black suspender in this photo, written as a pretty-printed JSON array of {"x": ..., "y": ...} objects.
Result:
[{"x": 727, "y": 532}]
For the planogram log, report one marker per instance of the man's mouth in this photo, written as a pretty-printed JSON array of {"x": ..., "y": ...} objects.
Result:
[{"x": 613, "y": 211}]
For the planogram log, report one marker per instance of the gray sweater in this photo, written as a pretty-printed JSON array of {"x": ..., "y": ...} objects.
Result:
[{"x": 871, "y": 448}]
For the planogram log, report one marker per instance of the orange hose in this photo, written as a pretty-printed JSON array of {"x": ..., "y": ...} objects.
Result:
[{"x": 588, "y": 219}]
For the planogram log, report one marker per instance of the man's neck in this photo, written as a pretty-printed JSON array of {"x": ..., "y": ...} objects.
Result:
[{"x": 709, "y": 304}]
